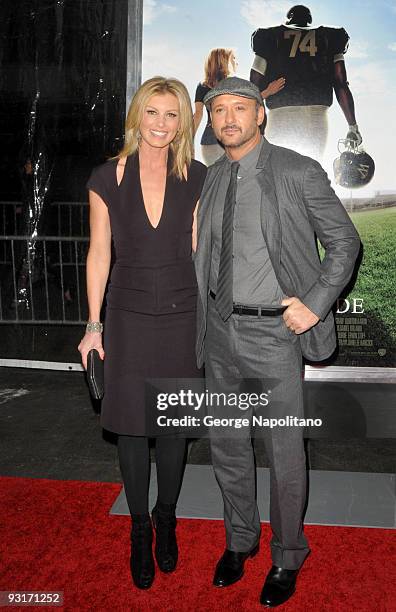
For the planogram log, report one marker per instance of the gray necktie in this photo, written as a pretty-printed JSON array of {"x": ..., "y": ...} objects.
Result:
[{"x": 224, "y": 292}]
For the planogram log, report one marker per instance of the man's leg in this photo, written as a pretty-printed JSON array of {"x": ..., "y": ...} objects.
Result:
[
  {"x": 232, "y": 452},
  {"x": 270, "y": 354},
  {"x": 234, "y": 467},
  {"x": 285, "y": 451}
]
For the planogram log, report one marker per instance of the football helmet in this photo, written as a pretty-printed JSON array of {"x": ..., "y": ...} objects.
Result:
[
  {"x": 354, "y": 167},
  {"x": 299, "y": 15}
]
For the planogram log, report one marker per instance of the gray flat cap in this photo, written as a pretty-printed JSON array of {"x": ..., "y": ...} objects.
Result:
[{"x": 234, "y": 86}]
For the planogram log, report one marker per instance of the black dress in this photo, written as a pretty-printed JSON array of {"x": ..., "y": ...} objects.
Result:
[{"x": 151, "y": 299}]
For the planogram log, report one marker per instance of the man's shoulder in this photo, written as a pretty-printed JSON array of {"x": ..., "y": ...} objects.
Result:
[
  {"x": 262, "y": 40},
  {"x": 271, "y": 30},
  {"x": 217, "y": 165}
]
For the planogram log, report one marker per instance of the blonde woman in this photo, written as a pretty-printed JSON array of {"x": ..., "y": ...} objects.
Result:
[
  {"x": 220, "y": 64},
  {"x": 145, "y": 201}
]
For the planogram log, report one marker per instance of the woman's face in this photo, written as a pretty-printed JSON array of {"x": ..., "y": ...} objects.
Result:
[{"x": 161, "y": 120}]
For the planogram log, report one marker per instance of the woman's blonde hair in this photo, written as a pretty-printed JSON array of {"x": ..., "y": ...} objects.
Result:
[
  {"x": 182, "y": 146},
  {"x": 217, "y": 66}
]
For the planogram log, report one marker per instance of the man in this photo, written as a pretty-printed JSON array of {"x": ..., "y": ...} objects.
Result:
[
  {"x": 311, "y": 59},
  {"x": 264, "y": 298}
]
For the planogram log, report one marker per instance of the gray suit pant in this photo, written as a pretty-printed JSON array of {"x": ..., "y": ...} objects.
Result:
[{"x": 259, "y": 351}]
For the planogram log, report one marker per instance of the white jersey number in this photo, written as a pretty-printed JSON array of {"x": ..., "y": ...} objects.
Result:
[{"x": 306, "y": 45}]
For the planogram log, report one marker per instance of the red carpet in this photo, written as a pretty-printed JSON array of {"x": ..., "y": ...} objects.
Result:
[{"x": 58, "y": 535}]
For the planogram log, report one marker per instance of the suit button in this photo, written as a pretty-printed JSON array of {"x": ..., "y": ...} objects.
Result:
[{"x": 173, "y": 305}]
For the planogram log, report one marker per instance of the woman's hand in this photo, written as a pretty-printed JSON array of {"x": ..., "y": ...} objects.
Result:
[
  {"x": 91, "y": 340},
  {"x": 273, "y": 88}
]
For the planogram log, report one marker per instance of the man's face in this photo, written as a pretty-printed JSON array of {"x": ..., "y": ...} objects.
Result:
[{"x": 235, "y": 119}]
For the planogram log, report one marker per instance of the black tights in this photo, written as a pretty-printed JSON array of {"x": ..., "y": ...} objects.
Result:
[{"x": 134, "y": 457}]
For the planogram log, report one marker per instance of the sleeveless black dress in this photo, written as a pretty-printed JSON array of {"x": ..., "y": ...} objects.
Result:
[{"x": 150, "y": 324}]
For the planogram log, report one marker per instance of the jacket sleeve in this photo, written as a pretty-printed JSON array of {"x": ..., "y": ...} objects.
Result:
[{"x": 336, "y": 233}]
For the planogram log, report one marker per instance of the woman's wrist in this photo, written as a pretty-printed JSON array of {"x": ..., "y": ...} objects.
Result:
[{"x": 94, "y": 326}]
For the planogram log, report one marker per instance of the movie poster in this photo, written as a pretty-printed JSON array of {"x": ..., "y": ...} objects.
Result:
[{"x": 177, "y": 38}]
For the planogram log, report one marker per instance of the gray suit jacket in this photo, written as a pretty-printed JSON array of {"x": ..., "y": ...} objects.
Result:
[{"x": 297, "y": 202}]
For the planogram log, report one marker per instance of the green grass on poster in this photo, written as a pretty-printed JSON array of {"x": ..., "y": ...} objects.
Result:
[{"x": 376, "y": 281}]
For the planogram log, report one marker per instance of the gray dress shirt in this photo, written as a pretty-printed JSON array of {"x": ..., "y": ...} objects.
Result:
[{"x": 254, "y": 280}]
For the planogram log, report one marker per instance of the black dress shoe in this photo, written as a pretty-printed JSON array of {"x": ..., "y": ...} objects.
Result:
[
  {"x": 166, "y": 550},
  {"x": 142, "y": 560},
  {"x": 279, "y": 585},
  {"x": 230, "y": 567}
]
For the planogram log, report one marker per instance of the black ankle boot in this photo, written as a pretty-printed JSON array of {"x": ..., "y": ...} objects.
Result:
[
  {"x": 164, "y": 521},
  {"x": 142, "y": 561}
]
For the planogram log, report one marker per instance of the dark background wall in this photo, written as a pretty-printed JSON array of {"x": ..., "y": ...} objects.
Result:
[
  {"x": 62, "y": 91},
  {"x": 63, "y": 84}
]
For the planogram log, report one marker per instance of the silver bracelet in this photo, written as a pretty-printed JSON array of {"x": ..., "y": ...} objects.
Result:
[{"x": 94, "y": 326}]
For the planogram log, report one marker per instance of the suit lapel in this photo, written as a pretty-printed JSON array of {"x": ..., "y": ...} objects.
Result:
[
  {"x": 208, "y": 194},
  {"x": 204, "y": 248},
  {"x": 270, "y": 219}
]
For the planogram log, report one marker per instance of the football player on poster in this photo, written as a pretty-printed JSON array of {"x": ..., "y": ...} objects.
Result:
[{"x": 311, "y": 59}]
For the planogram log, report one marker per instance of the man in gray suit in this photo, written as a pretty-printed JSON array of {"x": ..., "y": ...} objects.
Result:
[{"x": 265, "y": 301}]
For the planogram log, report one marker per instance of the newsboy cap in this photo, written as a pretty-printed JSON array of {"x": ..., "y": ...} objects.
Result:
[{"x": 234, "y": 86}]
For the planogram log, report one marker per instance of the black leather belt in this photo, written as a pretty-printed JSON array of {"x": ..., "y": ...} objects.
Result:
[{"x": 240, "y": 309}]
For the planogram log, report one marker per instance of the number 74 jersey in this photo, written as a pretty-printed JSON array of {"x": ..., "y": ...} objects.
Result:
[{"x": 305, "y": 57}]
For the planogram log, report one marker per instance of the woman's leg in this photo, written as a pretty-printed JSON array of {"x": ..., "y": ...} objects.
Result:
[
  {"x": 170, "y": 452},
  {"x": 169, "y": 458},
  {"x": 134, "y": 458}
]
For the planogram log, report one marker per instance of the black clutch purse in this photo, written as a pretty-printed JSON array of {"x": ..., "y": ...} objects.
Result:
[{"x": 95, "y": 374}]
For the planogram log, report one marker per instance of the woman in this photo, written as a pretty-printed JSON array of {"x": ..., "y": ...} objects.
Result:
[
  {"x": 146, "y": 200},
  {"x": 220, "y": 64}
]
